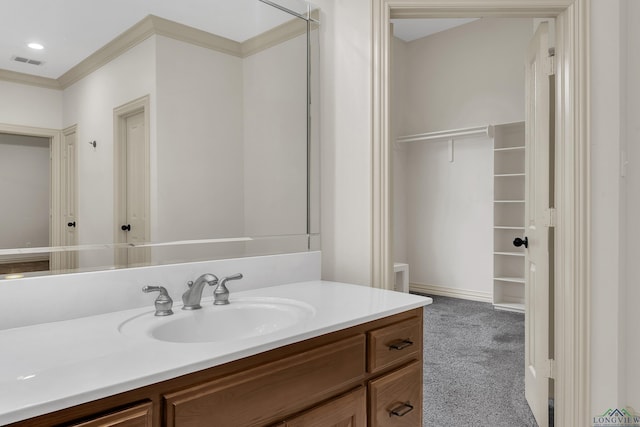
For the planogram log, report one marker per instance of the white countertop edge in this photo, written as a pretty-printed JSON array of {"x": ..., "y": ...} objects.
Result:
[{"x": 43, "y": 407}]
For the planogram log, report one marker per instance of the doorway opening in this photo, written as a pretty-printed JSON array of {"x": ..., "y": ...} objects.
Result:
[
  {"x": 39, "y": 190},
  {"x": 459, "y": 200},
  {"x": 571, "y": 236}
]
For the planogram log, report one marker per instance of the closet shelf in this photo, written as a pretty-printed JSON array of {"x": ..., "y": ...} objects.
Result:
[
  {"x": 508, "y": 227},
  {"x": 447, "y": 135},
  {"x": 508, "y": 201}
]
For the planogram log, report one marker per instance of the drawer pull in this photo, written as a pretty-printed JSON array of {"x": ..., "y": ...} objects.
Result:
[
  {"x": 400, "y": 344},
  {"x": 401, "y": 410}
]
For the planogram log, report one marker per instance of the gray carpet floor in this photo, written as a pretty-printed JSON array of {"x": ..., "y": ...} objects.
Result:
[{"x": 473, "y": 366}]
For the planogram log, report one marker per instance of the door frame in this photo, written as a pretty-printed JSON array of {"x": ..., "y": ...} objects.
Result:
[
  {"x": 572, "y": 188},
  {"x": 120, "y": 115}
]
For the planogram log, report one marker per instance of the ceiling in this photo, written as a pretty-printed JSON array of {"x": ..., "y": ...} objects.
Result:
[
  {"x": 413, "y": 29},
  {"x": 71, "y": 30}
]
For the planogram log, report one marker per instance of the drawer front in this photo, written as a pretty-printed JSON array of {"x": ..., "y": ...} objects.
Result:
[
  {"x": 395, "y": 399},
  {"x": 269, "y": 392},
  {"x": 395, "y": 344},
  {"x": 137, "y": 416}
]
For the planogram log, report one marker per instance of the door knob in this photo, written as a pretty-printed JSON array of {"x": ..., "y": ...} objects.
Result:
[
  {"x": 126, "y": 227},
  {"x": 519, "y": 242},
  {"x": 71, "y": 224}
]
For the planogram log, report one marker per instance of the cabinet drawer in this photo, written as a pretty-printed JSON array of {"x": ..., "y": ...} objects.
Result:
[
  {"x": 137, "y": 416},
  {"x": 395, "y": 344},
  {"x": 269, "y": 392},
  {"x": 395, "y": 399}
]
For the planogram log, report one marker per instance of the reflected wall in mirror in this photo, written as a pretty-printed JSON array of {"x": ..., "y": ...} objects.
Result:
[{"x": 176, "y": 131}]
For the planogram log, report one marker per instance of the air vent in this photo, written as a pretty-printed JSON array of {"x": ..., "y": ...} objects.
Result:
[{"x": 27, "y": 60}]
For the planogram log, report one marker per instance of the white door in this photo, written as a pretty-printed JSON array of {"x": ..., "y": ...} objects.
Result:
[
  {"x": 136, "y": 211},
  {"x": 537, "y": 222},
  {"x": 69, "y": 197}
]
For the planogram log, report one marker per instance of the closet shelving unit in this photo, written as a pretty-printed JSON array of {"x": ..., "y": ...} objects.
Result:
[{"x": 508, "y": 216}]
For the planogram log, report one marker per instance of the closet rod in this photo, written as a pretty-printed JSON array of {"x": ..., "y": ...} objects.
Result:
[{"x": 445, "y": 135}]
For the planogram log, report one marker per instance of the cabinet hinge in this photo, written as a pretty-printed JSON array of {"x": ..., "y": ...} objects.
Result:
[
  {"x": 550, "y": 217},
  {"x": 551, "y": 368}
]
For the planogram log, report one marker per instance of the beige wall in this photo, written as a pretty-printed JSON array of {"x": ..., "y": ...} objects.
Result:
[
  {"x": 467, "y": 76},
  {"x": 345, "y": 127},
  {"x": 30, "y": 105}
]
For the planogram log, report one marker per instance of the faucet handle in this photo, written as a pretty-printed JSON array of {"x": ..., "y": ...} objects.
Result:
[
  {"x": 236, "y": 276},
  {"x": 221, "y": 293},
  {"x": 163, "y": 302}
]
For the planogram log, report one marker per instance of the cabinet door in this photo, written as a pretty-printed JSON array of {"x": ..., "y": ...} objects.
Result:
[
  {"x": 395, "y": 399},
  {"x": 138, "y": 416},
  {"x": 270, "y": 392},
  {"x": 349, "y": 410}
]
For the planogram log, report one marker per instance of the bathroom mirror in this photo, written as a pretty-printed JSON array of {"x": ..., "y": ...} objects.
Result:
[{"x": 176, "y": 131}]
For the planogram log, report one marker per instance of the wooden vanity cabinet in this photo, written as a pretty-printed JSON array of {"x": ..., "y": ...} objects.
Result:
[{"x": 366, "y": 375}]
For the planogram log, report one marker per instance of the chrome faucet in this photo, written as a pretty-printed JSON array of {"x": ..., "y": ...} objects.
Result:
[
  {"x": 221, "y": 293},
  {"x": 191, "y": 298}
]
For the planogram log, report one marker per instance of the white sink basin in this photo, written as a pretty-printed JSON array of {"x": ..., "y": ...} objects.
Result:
[{"x": 243, "y": 318}]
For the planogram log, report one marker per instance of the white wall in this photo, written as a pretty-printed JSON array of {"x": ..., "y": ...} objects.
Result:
[
  {"x": 30, "y": 105},
  {"x": 632, "y": 232},
  {"x": 90, "y": 103},
  {"x": 200, "y": 177},
  {"x": 466, "y": 76},
  {"x": 24, "y": 186},
  {"x": 450, "y": 215},
  {"x": 345, "y": 123},
  {"x": 399, "y": 153},
  {"x": 275, "y": 134}
]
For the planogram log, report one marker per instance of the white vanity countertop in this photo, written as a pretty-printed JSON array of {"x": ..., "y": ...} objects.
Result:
[{"x": 51, "y": 366}]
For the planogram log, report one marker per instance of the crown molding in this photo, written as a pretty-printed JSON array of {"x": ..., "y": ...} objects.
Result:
[
  {"x": 29, "y": 79},
  {"x": 280, "y": 34},
  {"x": 184, "y": 33},
  {"x": 154, "y": 25}
]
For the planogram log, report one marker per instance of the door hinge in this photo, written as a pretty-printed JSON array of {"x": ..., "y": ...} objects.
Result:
[
  {"x": 550, "y": 217},
  {"x": 551, "y": 368},
  {"x": 551, "y": 65}
]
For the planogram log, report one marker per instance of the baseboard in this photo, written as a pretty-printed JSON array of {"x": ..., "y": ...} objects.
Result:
[{"x": 451, "y": 292}]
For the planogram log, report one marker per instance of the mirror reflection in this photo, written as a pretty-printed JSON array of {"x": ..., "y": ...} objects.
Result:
[{"x": 175, "y": 131}]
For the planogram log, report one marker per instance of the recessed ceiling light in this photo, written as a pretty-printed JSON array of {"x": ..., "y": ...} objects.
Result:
[{"x": 36, "y": 46}]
